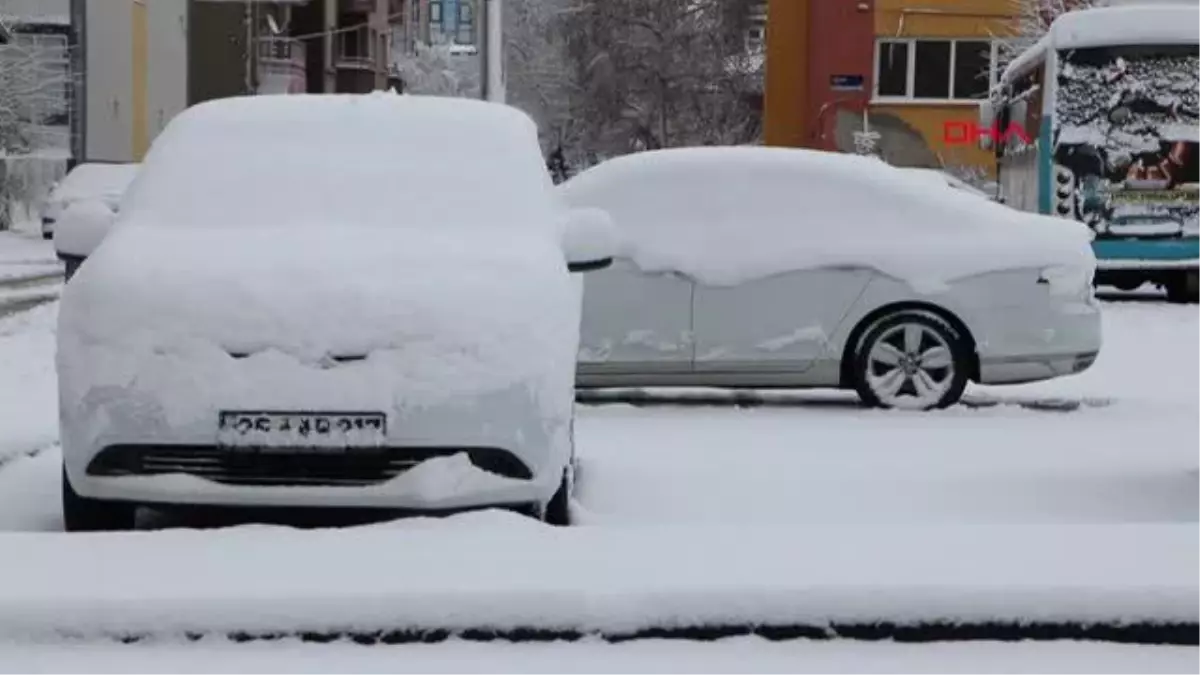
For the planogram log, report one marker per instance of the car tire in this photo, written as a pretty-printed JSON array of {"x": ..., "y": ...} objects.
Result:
[
  {"x": 929, "y": 362},
  {"x": 558, "y": 509},
  {"x": 1184, "y": 288},
  {"x": 84, "y": 514}
]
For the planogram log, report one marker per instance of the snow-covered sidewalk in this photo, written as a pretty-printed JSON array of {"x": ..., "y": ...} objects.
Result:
[
  {"x": 734, "y": 655},
  {"x": 501, "y": 571},
  {"x": 28, "y": 389}
]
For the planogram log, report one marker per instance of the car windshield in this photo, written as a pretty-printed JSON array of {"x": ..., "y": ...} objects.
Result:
[{"x": 385, "y": 161}]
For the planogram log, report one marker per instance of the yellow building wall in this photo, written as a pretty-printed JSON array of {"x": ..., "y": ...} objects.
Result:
[
  {"x": 139, "y": 43},
  {"x": 786, "y": 73},
  {"x": 984, "y": 19},
  {"x": 929, "y": 120}
]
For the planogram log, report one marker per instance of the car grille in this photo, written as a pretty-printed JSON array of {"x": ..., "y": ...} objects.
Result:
[{"x": 290, "y": 466}]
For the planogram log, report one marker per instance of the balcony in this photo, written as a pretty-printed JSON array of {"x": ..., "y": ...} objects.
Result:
[
  {"x": 281, "y": 66},
  {"x": 357, "y": 49},
  {"x": 394, "y": 7}
]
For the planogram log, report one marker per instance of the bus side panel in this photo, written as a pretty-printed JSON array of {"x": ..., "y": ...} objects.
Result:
[{"x": 1045, "y": 168}]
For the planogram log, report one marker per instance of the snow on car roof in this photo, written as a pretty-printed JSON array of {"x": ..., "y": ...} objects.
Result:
[
  {"x": 733, "y": 214},
  {"x": 95, "y": 181},
  {"x": 949, "y": 180},
  {"x": 377, "y": 160},
  {"x": 1147, "y": 24}
]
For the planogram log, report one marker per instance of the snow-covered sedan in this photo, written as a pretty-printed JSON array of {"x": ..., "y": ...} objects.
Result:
[
  {"x": 771, "y": 267},
  {"x": 94, "y": 181},
  {"x": 299, "y": 306}
]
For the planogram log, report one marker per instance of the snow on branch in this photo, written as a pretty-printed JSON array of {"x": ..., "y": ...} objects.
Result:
[{"x": 1030, "y": 20}]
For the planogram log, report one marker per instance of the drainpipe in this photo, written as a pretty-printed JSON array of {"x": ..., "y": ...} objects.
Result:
[
  {"x": 491, "y": 50},
  {"x": 331, "y": 13}
]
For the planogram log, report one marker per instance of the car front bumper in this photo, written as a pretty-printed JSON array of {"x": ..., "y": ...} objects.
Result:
[{"x": 154, "y": 439}]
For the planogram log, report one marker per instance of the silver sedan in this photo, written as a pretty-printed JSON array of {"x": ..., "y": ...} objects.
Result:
[{"x": 758, "y": 267}]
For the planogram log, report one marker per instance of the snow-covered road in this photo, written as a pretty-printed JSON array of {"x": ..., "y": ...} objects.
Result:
[{"x": 735, "y": 655}]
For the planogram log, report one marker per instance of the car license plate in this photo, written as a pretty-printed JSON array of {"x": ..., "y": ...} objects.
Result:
[{"x": 291, "y": 430}]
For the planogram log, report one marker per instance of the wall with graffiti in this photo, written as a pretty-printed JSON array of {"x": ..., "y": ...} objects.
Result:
[{"x": 1125, "y": 141}]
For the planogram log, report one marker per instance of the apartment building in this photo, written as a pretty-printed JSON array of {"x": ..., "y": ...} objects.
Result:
[
  {"x": 883, "y": 75},
  {"x": 144, "y": 61}
]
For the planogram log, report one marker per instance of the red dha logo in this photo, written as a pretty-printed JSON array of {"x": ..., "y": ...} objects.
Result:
[{"x": 957, "y": 132}]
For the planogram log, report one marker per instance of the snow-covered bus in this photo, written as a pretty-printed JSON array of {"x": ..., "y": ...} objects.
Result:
[{"x": 1109, "y": 99}]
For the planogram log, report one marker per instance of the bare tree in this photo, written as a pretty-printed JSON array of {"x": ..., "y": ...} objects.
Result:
[
  {"x": 439, "y": 69},
  {"x": 34, "y": 79},
  {"x": 539, "y": 77},
  {"x": 661, "y": 73},
  {"x": 1031, "y": 20}
]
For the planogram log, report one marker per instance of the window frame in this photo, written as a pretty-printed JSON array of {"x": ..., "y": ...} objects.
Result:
[{"x": 911, "y": 69}]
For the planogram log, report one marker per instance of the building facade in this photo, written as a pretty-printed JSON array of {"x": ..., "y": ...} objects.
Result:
[
  {"x": 884, "y": 76},
  {"x": 144, "y": 61}
]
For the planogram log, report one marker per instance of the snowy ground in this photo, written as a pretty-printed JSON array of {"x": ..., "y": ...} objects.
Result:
[
  {"x": 649, "y": 656},
  {"x": 1084, "y": 507}
]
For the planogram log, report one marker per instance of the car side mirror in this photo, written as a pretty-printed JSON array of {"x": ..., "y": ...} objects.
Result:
[
  {"x": 81, "y": 227},
  {"x": 590, "y": 240}
]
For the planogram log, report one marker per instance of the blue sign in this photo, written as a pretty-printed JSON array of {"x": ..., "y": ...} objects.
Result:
[
  {"x": 450, "y": 18},
  {"x": 846, "y": 82}
]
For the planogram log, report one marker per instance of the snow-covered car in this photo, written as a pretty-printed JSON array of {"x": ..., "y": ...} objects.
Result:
[
  {"x": 771, "y": 267},
  {"x": 297, "y": 307},
  {"x": 92, "y": 181},
  {"x": 941, "y": 178}
]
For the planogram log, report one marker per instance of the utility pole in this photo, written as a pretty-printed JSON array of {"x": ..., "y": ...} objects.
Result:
[
  {"x": 330, "y": 22},
  {"x": 491, "y": 50},
  {"x": 381, "y": 34}
]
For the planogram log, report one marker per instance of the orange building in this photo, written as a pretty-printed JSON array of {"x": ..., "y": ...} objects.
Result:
[{"x": 902, "y": 69}]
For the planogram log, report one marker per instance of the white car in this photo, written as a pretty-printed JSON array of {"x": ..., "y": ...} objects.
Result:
[
  {"x": 770, "y": 267},
  {"x": 941, "y": 178},
  {"x": 329, "y": 301},
  {"x": 95, "y": 181}
]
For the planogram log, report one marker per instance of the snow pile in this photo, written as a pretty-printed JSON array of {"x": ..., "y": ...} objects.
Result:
[
  {"x": 1145, "y": 24},
  {"x": 497, "y": 570},
  {"x": 382, "y": 161},
  {"x": 728, "y": 215}
]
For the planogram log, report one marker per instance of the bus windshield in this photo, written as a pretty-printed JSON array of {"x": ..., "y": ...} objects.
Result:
[{"x": 1127, "y": 124}]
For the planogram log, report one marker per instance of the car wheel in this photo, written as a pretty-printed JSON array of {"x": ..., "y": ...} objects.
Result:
[
  {"x": 1184, "y": 288},
  {"x": 911, "y": 360},
  {"x": 558, "y": 510},
  {"x": 83, "y": 514}
]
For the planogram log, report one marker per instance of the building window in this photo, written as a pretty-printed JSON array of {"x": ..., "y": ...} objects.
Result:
[
  {"x": 435, "y": 11},
  {"x": 934, "y": 70}
]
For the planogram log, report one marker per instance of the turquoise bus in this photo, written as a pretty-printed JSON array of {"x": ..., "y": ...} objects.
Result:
[{"x": 1108, "y": 99}]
